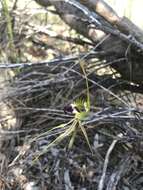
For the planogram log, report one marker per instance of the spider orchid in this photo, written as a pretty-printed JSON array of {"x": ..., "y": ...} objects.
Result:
[{"x": 80, "y": 110}]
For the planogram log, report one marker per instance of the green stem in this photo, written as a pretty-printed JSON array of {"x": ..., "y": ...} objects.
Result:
[
  {"x": 87, "y": 86},
  {"x": 9, "y": 23},
  {"x": 11, "y": 51}
]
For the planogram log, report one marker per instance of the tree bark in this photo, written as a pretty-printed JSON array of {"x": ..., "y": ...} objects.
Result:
[{"x": 95, "y": 19}]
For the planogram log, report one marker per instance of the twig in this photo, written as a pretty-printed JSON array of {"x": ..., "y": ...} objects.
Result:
[
  {"x": 93, "y": 20},
  {"x": 102, "y": 179},
  {"x": 64, "y": 60},
  {"x": 117, "y": 173}
]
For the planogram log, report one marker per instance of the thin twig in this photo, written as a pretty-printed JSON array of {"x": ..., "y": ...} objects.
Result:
[
  {"x": 117, "y": 173},
  {"x": 102, "y": 179},
  {"x": 60, "y": 60}
]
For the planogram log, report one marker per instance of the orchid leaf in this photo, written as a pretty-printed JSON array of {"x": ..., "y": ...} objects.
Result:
[{"x": 86, "y": 137}]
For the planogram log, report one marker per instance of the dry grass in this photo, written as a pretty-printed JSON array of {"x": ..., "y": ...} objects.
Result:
[{"x": 35, "y": 96}]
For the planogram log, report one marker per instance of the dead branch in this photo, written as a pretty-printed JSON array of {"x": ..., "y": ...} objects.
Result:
[
  {"x": 119, "y": 170},
  {"x": 101, "y": 182},
  {"x": 125, "y": 38}
]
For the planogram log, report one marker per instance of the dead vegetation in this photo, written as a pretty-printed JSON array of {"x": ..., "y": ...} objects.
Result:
[{"x": 44, "y": 75}]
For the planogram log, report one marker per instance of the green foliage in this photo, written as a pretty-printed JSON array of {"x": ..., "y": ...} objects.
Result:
[{"x": 87, "y": 106}]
